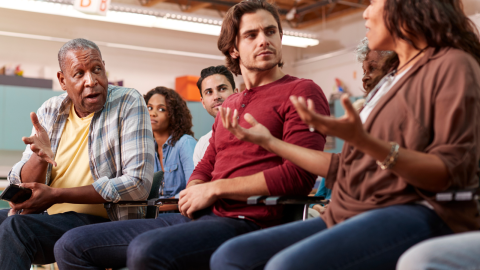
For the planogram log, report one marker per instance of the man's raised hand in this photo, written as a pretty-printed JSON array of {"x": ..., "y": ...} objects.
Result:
[
  {"x": 40, "y": 142},
  {"x": 257, "y": 134}
]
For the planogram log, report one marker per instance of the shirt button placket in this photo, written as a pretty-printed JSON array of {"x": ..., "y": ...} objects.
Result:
[{"x": 243, "y": 104}]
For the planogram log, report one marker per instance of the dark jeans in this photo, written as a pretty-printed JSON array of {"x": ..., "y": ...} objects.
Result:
[
  {"x": 171, "y": 241},
  {"x": 27, "y": 239},
  {"x": 372, "y": 240}
]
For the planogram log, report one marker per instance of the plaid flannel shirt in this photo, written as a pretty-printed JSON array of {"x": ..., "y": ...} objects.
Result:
[{"x": 120, "y": 147}]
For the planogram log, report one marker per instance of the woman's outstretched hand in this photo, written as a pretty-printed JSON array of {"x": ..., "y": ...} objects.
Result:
[
  {"x": 348, "y": 127},
  {"x": 257, "y": 134}
]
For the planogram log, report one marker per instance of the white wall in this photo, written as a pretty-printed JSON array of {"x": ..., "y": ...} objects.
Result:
[
  {"x": 324, "y": 72},
  {"x": 140, "y": 70}
]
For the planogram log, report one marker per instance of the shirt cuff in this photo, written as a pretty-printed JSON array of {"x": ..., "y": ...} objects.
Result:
[
  {"x": 199, "y": 176},
  {"x": 14, "y": 174},
  {"x": 106, "y": 189},
  {"x": 331, "y": 177},
  {"x": 274, "y": 180}
]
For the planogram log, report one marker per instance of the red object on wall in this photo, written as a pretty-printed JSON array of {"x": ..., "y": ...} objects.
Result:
[{"x": 186, "y": 86}]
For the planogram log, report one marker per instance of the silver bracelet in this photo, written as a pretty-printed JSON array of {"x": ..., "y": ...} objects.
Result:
[{"x": 391, "y": 159}]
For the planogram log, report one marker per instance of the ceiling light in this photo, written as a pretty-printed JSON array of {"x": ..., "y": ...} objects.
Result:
[
  {"x": 139, "y": 17},
  {"x": 117, "y": 45}
]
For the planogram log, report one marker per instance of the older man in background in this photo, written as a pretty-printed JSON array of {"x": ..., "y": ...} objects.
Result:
[{"x": 91, "y": 145}]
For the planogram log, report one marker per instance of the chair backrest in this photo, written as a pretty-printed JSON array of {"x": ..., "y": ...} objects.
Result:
[{"x": 157, "y": 181}]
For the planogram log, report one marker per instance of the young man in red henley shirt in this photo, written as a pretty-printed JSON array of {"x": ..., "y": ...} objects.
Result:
[
  {"x": 232, "y": 170},
  {"x": 213, "y": 206}
]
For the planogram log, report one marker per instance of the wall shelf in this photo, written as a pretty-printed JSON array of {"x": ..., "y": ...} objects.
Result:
[{"x": 41, "y": 84}]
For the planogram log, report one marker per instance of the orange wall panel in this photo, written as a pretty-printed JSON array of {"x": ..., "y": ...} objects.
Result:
[{"x": 186, "y": 86}]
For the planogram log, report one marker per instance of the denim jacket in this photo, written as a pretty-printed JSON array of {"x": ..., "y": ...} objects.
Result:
[{"x": 177, "y": 165}]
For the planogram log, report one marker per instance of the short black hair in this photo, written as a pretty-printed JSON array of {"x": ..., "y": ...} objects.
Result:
[{"x": 222, "y": 70}]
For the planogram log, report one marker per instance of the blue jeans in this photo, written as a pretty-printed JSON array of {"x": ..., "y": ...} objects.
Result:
[
  {"x": 453, "y": 252},
  {"x": 171, "y": 241},
  {"x": 27, "y": 239},
  {"x": 371, "y": 240}
]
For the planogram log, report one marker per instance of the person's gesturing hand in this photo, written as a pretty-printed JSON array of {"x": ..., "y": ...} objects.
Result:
[
  {"x": 196, "y": 197},
  {"x": 40, "y": 142},
  {"x": 42, "y": 198},
  {"x": 348, "y": 127},
  {"x": 257, "y": 134}
]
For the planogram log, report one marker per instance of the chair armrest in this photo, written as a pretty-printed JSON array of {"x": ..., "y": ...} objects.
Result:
[
  {"x": 286, "y": 200},
  {"x": 152, "y": 202},
  {"x": 458, "y": 195}
]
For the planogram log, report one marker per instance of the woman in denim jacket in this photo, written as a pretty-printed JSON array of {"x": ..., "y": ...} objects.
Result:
[{"x": 174, "y": 143}]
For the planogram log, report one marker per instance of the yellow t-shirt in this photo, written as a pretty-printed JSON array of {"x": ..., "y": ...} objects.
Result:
[{"x": 73, "y": 169}]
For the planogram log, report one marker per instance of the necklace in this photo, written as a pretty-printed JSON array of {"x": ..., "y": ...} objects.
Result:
[{"x": 388, "y": 78}]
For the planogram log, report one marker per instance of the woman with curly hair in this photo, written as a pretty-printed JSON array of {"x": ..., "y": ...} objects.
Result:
[{"x": 172, "y": 129}]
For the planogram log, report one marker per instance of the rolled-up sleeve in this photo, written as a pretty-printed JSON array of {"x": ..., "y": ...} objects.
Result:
[
  {"x": 14, "y": 174},
  {"x": 287, "y": 178},
  {"x": 456, "y": 122},
  {"x": 331, "y": 177},
  {"x": 136, "y": 153}
]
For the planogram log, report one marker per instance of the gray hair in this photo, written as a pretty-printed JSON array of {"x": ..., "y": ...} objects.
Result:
[
  {"x": 74, "y": 45},
  {"x": 362, "y": 50}
]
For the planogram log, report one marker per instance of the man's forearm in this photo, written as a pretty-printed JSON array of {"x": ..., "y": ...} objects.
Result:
[
  {"x": 79, "y": 195},
  {"x": 313, "y": 161},
  {"x": 195, "y": 182},
  {"x": 34, "y": 170},
  {"x": 240, "y": 188}
]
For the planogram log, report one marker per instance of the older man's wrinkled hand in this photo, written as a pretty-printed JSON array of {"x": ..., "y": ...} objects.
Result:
[
  {"x": 40, "y": 142},
  {"x": 42, "y": 198}
]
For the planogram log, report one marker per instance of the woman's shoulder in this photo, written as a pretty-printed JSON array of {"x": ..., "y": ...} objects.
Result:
[
  {"x": 186, "y": 139},
  {"x": 454, "y": 58}
]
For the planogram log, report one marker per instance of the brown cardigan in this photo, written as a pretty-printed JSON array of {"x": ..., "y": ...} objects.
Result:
[{"x": 434, "y": 108}]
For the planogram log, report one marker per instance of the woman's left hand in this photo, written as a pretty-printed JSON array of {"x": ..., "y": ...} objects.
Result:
[{"x": 348, "y": 127}]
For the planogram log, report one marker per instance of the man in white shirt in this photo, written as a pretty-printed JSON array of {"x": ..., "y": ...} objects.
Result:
[{"x": 216, "y": 84}]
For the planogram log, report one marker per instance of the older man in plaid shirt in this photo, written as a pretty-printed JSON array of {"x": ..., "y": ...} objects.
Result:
[{"x": 91, "y": 145}]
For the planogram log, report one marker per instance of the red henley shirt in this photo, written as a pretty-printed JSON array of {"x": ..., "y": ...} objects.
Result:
[{"x": 227, "y": 157}]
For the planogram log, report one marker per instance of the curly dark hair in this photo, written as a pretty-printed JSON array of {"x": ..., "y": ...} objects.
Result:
[
  {"x": 442, "y": 23},
  {"x": 179, "y": 115}
]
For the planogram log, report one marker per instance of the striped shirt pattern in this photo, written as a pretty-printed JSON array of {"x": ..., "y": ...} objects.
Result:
[{"x": 120, "y": 147}]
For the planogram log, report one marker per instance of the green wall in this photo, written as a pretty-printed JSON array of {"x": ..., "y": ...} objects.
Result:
[
  {"x": 202, "y": 121},
  {"x": 337, "y": 110},
  {"x": 16, "y": 103}
]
